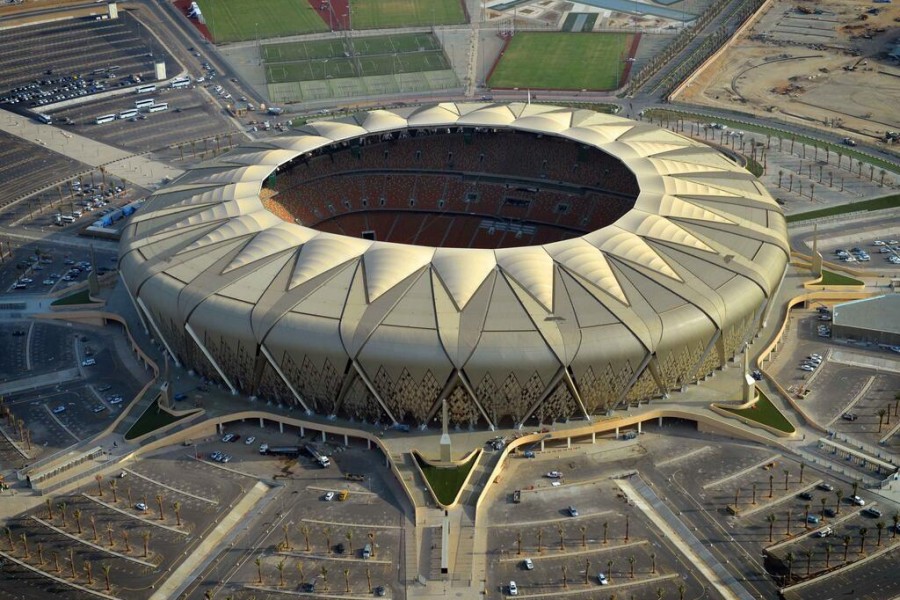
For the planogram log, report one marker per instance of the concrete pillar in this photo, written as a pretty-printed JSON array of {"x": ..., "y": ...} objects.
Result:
[
  {"x": 659, "y": 421},
  {"x": 569, "y": 442},
  {"x": 262, "y": 423},
  {"x": 542, "y": 445},
  {"x": 368, "y": 444},
  {"x": 617, "y": 433},
  {"x": 387, "y": 462},
  {"x": 346, "y": 440},
  {"x": 302, "y": 431},
  {"x": 593, "y": 437},
  {"x": 639, "y": 427},
  {"x": 280, "y": 427},
  {"x": 220, "y": 428}
]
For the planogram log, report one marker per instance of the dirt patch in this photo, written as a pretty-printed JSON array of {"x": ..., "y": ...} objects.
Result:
[
  {"x": 183, "y": 6},
  {"x": 334, "y": 13},
  {"x": 824, "y": 64}
]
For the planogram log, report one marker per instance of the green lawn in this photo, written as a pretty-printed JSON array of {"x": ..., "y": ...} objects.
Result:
[
  {"x": 832, "y": 278},
  {"x": 336, "y": 68},
  {"x": 152, "y": 419},
  {"x": 563, "y": 61},
  {"x": 766, "y": 413},
  {"x": 446, "y": 481},
  {"x": 82, "y": 297},
  {"x": 235, "y": 20},
  {"x": 364, "y": 46},
  {"x": 865, "y": 205},
  {"x": 382, "y": 14}
]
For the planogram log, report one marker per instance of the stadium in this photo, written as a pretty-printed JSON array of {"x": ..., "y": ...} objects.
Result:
[{"x": 519, "y": 261}]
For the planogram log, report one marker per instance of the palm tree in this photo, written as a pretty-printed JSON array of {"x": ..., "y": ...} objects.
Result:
[
  {"x": 838, "y": 494},
  {"x": 846, "y": 546},
  {"x": 771, "y": 485},
  {"x": 258, "y": 563},
  {"x": 280, "y": 567},
  {"x": 299, "y": 570},
  {"x": 780, "y": 175},
  {"x": 146, "y": 536},
  {"x": 49, "y": 502},
  {"x": 609, "y": 566},
  {"x": 882, "y": 173},
  {"x": 286, "y": 542},
  {"x": 114, "y": 488},
  {"x": 827, "y": 555},
  {"x": 326, "y": 531},
  {"x": 880, "y": 526},
  {"x": 90, "y": 572},
  {"x": 72, "y": 562},
  {"x": 106, "y": 568},
  {"x": 788, "y": 528},
  {"x": 737, "y": 495},
  {"x": 40, "y": 548},
  {"x": 304, "y": 529},
  {"x": 519, "y": 543},
  {"x": 855, "y": 487},
  {"x": 771, "y": 518},
  {"x": 99, "y": 480},
  {"x": 801, "y": 472},
  {"x": 653, "y": 562},
  {"x": 565, "y": 576},
  {"x": 56, "y": 560},
  {"x": 824, "y": 501},
  {"x": 540, "y": 536},
  {"x": 587, "y": 570},
  {"x": 125, "y": 540},
  {"x": 93, "y": 526},
  {"x": 371, "y": 536},
  {"x": 109, "y": 532},
  {"x": 9, "y": 536},
  {"x": 790, "y": 562},
  {"x": 896, "y": 519},
  {"x": 583, "y": 530},
  {"x": 631, "y": 560},
  {"x": 369, "y": 579},
  {"x": 754, "y": 493},
  {"x": 862, "y": 539},
  {"x": 605, "y": 531},
  {"x": 807, "y": 507},
  {"x": 177, "y": 508},
  {"x": 24, "y": 538},
  {"x": 62, "y": 512},
  {"x": 808, "y": 553},
  {"x": 659, "y": 593},
  {"x": 626, "y": 527},
  {"x": 159, "y": 501},
  {"x": 881, "y": 413},
  {"x": 77, "y": 514},
  {"x": 562, "y": 537},
  {"x": 681, "y": 590},
  {"x": 787, "y": 475},
  {"x": 325, "y": 578},
  {"x": 349, "y": 536},
  {"x": 347, "y": 580}
]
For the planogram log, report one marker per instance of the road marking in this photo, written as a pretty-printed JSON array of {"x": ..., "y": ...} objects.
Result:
[
  {"x": 60, "y": 423},
  {"x": 859, "y": 395},
  {"x": 134, "y": 516},
  {"x": 792, "y": 495},
  {"x": 728, "y": 478},
  {"x": 169, "y": 487},
  {"x": 93, "y": 545},
  {"x": 566, "y": 554},
  {"x": 346, "y": 524},
  {"x": 823, "y": 525},
  {"x": 611, "y": 586},
  {"x": 684, "y": 456},
  {"x": 348, "y": 558},
  {"x": 553, "y": 520},
  {"x": 55, "y": 578}
]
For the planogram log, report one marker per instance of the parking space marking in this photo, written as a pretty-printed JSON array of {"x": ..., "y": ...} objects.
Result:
[
  {"x": 60, "y": 423},
  {"x": 311, "y": 556},
  {"x": 93, "y": 545},
  {"x": 580, "y": 517},
  {"x": 567, "y": 554},
  {"x": 345, "y": 524},
  {"x": 834, "y": 523},
  {"x": 134, "y": 516},
  {"x": 859, "y": 396},
  {"x": 790, "y": 496},
  {"x": 169, "y": 487},
  {"x": 55, "y": 578},
  {"x": 684, "y": 456},
  {"x": 611, "y": 586},
  {"x": 316, "y": 488},
  {"x": 743, "y": 472}
]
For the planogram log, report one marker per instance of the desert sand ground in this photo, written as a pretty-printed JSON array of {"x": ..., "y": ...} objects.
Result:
[{"x": 821, "y": 63}]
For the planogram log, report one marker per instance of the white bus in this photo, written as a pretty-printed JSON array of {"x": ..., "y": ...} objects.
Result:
[
  {"x": 180, "y": 82},
  {"x": 145, "y": 89},
  {"x": 159, "y": 107},
  {"x": 144, "y": 103},
  {"x": 127, "y": 114},
  {"x": 106, "y": 119}
]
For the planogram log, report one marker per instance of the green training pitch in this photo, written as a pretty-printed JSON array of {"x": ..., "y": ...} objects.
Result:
[
  {"x": 381, "y": 14},
  {"x": 563, "y": 61},
  {"x": 336, "y": 48},
  {"x": 236, "y": 20}
]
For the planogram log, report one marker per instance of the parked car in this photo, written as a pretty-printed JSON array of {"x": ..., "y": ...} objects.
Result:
[
  {"x": 872, "y": 512},
  {"x": 250, "y": 440},
  {"x": 513, "y": 589},
  {"x": 554, "y": 474},
  {"x": 141, "y": 507},
  {"x": 329, "y": 496},
  {"x": 573, "y": 512},
  {"x": 849, "y": 416},
  {"x": 602, "y": 580},
  {"x": 813, "y": 519},
  {"x": 805, "y": 496},
  {"x": 824, "y": 532},
  {"x": 88, "y": 362},
  {"x": 857, "y": 501},
  {"x": 227, "y": 438},
  {"x": 827, "y": 487},
  {"x": 59, "y": 409},
  {"x": 528, "y": 564}
]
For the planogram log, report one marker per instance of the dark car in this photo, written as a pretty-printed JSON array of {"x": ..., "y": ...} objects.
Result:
[
  {"x": 849, "y": 416},
  {"x": 805, "y": 496},
  {"x": 340, "y": 548},
  {"x": 380, "y": 591},
  {"x": 180, "y": 397}
]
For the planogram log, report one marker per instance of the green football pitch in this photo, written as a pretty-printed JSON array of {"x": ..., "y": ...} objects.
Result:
[
  {"x": 563, "y": 61},
  {"x": 332, "y": 59},
  {"x": 236, "y": 20}
]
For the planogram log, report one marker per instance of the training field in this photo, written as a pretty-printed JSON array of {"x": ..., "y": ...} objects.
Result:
[
  {"x": 332, "y": 59},
  {"x": 563, "y": 61},
  {"x": 381, "y": 14},
  {"x": 235, "y": 20}
]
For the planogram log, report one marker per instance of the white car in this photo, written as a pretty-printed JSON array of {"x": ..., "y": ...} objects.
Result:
[
  {"x": 807, "y": 368},
  {"x": 59, "y": 409},
  {"x": 513, "y": 589},
  {"x": 601, "y": 578},
  {"x": 227, "y": 437},
  {"x": 88, "y": 362},
  {"x": 250, "y": 440},
  {"x": 554, "y": 474},
  {"x": 857, "y": 501},
  {"x": 528, "y": 564},
  {"x": 140, "y": 506},
  {"x": 329, "y": 496}
]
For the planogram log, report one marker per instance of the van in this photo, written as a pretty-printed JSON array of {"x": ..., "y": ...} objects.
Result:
[{"x": 367, "y": 551}]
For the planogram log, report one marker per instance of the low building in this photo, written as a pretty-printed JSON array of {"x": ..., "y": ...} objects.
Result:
[{"x": 875, "y": 320}]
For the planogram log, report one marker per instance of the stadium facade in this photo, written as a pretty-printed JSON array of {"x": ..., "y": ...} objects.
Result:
[{"x": 373, "y": 330}]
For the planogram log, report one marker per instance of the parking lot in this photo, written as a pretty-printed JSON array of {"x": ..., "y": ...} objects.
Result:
[{"x": 40, "y": 270}]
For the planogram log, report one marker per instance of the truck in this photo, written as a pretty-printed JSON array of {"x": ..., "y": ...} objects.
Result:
[
  {"x": 317, "y": 456},
  {"x": 354, "y": 477},
  {"x": 283, "y": 450}
]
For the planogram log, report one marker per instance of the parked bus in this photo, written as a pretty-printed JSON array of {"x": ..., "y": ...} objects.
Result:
[
  {"x": 106, "y": 119},
  {"x": 144, "y": 103},
  {"x": 180, "y": 82},
  {"x": 158, "y": 107},
  {"x": 127, "y": 114},
  {"x": 145, "y": 89}
]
